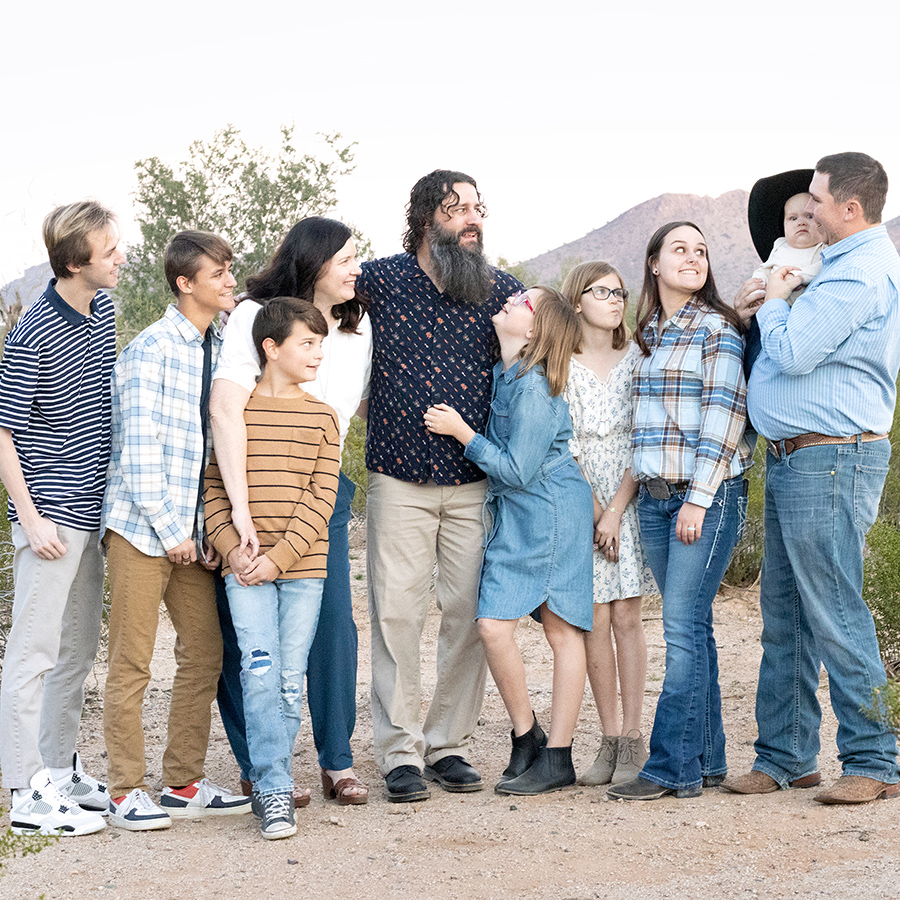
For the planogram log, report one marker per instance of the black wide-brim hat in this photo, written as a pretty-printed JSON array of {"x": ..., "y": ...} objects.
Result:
[{"x": 765, "y": 209}]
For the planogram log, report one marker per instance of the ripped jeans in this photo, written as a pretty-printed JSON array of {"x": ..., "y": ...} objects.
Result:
[
  {"x": 688, "y": 741},
  {"x": 275, "y": 625}
]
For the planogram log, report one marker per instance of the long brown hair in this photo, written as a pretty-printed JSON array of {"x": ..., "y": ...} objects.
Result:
[
  {"x": 650, "y": 303},
  {"x": 555, "y": 336},
  {"x": 576, "y": 283}
]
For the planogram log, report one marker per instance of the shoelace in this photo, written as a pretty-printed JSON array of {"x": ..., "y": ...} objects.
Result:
[
  {"x": 278, "y": 806},
  {"x": 139, "y": 799},
  {"x": 628, "y": 750}
]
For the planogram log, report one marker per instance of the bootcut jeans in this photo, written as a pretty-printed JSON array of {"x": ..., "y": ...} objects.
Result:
[
  {"x": 820, "y": 502},
  {"x": 688, "y": 741}
]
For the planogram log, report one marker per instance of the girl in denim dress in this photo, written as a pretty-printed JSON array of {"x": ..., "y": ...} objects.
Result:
[{"x": 538, "y": 553}]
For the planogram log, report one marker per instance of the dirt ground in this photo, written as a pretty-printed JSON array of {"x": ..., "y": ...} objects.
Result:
[{"x": 571, "y": 845}]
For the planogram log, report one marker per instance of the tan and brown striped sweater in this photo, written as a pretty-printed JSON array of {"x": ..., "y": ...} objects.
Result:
[{"x": 293, "y": 463}]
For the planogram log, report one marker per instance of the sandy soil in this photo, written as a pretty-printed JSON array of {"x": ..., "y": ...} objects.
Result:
[{"x": 571, "y": 844}]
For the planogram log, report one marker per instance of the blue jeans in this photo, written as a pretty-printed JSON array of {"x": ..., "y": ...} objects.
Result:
[
  {"x": 688, "y": 740},
  {"x": 275, "y": 623},
  {"x": 820, "y": 502},
  {"x": 331, "y": 670}
]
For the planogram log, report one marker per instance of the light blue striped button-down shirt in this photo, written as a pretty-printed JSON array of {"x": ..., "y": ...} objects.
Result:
[
  {"x": 157, "y": 458},
  {"x": 829, "y": 363}
]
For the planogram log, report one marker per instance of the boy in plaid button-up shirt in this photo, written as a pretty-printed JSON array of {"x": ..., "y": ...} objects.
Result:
[{"x": 153, "y": 533}]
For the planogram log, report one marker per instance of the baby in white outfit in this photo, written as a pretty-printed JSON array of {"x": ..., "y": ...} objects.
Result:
[{"x": 800, "y": 247}]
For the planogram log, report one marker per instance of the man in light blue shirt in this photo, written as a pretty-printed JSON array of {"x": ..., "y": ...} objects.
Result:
[{"x": 822, "y": 393}]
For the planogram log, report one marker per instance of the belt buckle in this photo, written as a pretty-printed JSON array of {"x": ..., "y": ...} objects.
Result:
[{"x": 658, "y": 489}]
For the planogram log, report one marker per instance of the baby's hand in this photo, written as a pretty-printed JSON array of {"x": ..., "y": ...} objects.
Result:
[{"x": 782, "y": 281}]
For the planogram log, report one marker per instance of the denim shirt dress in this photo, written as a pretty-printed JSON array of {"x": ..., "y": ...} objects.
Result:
[{"x": 538, "y": 549}]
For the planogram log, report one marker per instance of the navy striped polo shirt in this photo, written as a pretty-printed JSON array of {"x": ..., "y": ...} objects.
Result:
[{"x": 55, "y": 399}]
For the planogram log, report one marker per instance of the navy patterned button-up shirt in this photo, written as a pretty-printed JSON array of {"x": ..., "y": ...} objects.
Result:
[{"x": 427, "y": 348}]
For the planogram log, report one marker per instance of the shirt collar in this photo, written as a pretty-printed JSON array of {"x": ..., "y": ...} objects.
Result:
[
  {"x": 186, "y": 328},
  {"x": 833, "y": 251},
  {"x": 71, "y": 315},
  {"x": 682, "y": 320}
]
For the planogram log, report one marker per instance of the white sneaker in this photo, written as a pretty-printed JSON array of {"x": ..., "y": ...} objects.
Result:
[
  {"x": 203, "y": 798},
  {"x": 137, "y": 812},
  {"x": 87, "y": 792},
  {"x": 46, "y": 811}
]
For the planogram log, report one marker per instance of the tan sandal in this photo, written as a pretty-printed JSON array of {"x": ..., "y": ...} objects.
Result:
[
  {"x": 340, "y": 790},
  {"x": 301, "y": 797}
]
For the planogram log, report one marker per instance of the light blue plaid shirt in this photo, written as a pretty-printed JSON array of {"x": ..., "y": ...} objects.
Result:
[
  {"x": 690, "y": 403},
  {"x": 157, "y": 458}
]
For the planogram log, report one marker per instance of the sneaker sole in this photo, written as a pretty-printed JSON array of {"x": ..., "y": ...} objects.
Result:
[
  {"x": 278, "y": 835},
  {"x": 188, "y": 812},
  {"x": 140, "y": 825},
  {"x": 23, "y": 829}
]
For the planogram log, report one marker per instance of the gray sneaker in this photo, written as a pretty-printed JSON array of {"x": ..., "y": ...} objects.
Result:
[
  {"x": 630, "y": 757},
  {"x": 277, "y": 820}
]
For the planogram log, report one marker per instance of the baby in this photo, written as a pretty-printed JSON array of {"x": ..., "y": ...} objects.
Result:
[{"x": 800, "y": 247}]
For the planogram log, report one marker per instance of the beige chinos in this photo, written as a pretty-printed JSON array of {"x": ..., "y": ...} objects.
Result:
[{"x": 409, "y": 529}]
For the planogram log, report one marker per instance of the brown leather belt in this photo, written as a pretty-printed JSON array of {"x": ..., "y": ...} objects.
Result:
[{"x": 816, "y": 440}]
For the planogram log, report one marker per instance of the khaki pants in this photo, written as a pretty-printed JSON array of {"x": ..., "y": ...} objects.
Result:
[
  {"x": 409, "y": 528},
  {"x": 137, "y": 584}
]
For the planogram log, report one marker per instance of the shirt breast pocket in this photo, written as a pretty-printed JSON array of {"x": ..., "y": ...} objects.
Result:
[
  {"x": 682, "y": 386},
  {"x": 500, "y": 418}
]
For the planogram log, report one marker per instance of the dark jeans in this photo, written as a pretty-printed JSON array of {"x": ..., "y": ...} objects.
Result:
[{"x": 331, "y": 669}]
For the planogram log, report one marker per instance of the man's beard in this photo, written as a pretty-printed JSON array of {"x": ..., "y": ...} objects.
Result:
[{"x": 461, "y": 272}]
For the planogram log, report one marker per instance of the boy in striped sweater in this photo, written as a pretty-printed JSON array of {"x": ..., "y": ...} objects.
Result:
[{"x": 293, "y": 463}]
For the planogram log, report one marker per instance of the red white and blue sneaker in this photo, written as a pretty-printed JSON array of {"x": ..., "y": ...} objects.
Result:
[
  {"x": 87, "y": 792},
  {"x": 202, "y": 798},
  {"x": 44, "y": 810},
  {"x": 137, "y": 812}
]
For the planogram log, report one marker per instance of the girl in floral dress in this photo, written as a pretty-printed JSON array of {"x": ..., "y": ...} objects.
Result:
[{"x": 599, "y": 397}]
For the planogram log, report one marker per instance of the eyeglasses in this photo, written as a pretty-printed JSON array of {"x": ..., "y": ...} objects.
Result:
[
  {"x": 459, "y": 212},
  {"x": 521, "y": 298},
  {"x": 614, "y": 295}
]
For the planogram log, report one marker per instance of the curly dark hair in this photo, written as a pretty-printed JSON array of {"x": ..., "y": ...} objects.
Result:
[{"x": 430, "y": 192}]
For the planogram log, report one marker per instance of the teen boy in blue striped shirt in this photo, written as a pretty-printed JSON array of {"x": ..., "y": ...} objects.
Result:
[{"x": 54, "y": 448}]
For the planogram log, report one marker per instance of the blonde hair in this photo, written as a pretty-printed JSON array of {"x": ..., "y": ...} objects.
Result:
[
  {"x": 584, "y": 274},
  {"x": 66, "y": 230},
  {"x": 555, "y": 336}
]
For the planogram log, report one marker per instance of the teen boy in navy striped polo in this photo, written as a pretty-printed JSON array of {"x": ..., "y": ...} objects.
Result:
[{"x": 54, "y": 449}]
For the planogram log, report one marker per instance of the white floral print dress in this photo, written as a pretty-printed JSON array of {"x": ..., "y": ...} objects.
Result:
[{"x": 601, "y": 423}]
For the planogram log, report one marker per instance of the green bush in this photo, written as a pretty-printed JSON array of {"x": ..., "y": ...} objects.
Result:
[
  {"x": 747, "y": 558},
  {"x": 353, "y": 463}
]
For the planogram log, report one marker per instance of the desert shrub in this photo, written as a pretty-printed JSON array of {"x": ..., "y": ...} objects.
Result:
[
  {"x": 747, "y": 558},
  {"x": 353, "y": 463}
]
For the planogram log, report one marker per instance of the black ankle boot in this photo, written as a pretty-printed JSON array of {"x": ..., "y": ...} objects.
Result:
[
  {"x": 551, "y": 771},
  {"x": 525, "y": 750}
]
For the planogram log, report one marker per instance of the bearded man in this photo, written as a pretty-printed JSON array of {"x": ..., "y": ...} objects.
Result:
[{"x": 431, "y": 311}]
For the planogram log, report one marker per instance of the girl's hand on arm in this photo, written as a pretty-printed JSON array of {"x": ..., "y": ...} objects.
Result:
[
  {"x": 689, "y": 526},
  {"x": 598, "y": 512},
  {"x": 443, "y": 419}
]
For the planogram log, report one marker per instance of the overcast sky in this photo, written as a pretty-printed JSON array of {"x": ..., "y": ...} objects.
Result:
[{"x": 566, "y": 118}]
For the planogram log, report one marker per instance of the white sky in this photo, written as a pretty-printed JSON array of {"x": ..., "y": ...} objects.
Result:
[{"x": 566, "y": 114}]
